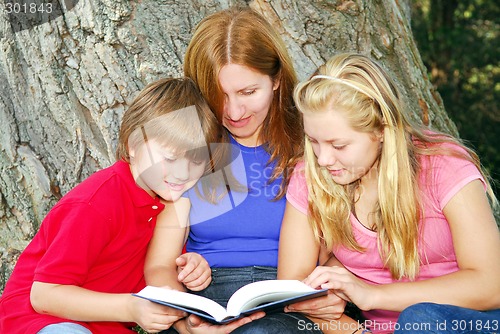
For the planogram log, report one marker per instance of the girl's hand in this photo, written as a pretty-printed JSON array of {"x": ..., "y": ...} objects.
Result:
[
  {"x": 344, "y": 284},
  {"x": 329, "y": 307},
  {"x": 194, "y": 271}
]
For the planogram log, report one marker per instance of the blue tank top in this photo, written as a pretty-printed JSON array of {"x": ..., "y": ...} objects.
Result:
[{"x": 241, "y": 229}]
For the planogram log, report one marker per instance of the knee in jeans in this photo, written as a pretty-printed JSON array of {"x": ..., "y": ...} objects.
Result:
[{"x": 421, "y": 312}]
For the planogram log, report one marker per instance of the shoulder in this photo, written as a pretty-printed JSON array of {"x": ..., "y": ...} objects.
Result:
[
  {"x": 106, "y": 182},
  {"x": 297, "y": 193},
  {"x": 448, "y": 157},
  {"x": 298, "y": 177},
  {"x": 106, "y": 192},
  {"x": 444, "y": 173}
]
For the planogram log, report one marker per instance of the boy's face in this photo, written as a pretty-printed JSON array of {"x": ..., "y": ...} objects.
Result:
[{"x": 163, "y": 172}]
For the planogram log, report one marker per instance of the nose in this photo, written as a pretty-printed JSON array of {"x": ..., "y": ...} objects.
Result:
[
  {"x": 180, "y": 170},
  {"x": 325, "y": 156},
  {"x": 233, "y": 108}
]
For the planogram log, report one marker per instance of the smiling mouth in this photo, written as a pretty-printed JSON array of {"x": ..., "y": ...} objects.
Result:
[
  {"x": 335, "y": 172},
  {"x": 239, "y": 123},
  {"x": 175, "y": 186}
]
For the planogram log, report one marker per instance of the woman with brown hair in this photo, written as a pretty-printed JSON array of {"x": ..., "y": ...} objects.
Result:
[{"x": 243, "y": 70}]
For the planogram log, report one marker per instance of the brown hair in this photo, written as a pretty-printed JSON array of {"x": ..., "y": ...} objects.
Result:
[
  {"x": 242, "y": 36},
  {"x": 162, "y": 98}
]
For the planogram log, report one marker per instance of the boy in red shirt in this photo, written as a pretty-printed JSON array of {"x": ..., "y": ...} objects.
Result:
[{"x": 79, "y": 271}]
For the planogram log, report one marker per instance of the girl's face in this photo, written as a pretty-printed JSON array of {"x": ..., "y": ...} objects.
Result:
[
  {"x": 247, "y": 99},
  {"x": 160, "y": 171},
  {"x": 348, "y": 154}
]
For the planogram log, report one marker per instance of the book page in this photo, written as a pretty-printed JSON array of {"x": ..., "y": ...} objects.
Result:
[
  {"x": 185, "y": 299},
  {"x": 257, "y": 293}
]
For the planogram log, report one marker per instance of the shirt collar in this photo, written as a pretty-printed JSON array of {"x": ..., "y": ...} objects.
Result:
[{"x": 139, "y": 196}]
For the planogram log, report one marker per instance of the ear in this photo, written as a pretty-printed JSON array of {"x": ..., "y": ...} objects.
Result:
[
  {"x": 276, "y": 83},
  {"x": 380, "y": 136},
  {"x": 131, "y": 153}
]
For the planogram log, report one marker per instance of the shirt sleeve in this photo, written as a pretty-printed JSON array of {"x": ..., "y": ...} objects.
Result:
[
  {"x": 449, "y": 175},
  {"x": 297, "y": 193},
  {"x": 73, "y": 236}
]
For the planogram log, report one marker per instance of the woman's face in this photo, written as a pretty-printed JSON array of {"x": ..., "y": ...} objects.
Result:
[
  {"x": 247, "y": 99},
  {"x": 348, "y": 154}
]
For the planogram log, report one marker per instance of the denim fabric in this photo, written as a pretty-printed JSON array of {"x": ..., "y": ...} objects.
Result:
[
  {"x": 279, "y": 323},
  {"x": 437, "y": 318},
  {"x": 225, "y": 281},
  {"x": 64, "y": 327}
]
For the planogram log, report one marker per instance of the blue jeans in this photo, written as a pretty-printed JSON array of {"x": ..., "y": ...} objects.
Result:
[
  {"x": 225, "y": 281},
  {"x": 437, "y": 318},
  {"x": 64, "y": 327}
]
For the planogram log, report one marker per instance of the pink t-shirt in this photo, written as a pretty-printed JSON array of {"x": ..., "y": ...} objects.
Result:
[{"x": 441, "y": 177}]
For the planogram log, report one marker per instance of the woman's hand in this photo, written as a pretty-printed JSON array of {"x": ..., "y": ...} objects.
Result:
[{"x": 194, "y": 271}]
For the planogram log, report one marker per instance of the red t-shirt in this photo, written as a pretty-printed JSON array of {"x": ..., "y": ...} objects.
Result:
[{"x": 95, "y": 237}]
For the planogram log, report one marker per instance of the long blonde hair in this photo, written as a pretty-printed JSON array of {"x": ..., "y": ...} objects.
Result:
[
  {"x": 362, "y": 89},
  {"x": 242, "y": 36}
]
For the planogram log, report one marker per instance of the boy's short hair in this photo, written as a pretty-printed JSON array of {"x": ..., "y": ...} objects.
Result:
[{"x": 151, "y": 116}]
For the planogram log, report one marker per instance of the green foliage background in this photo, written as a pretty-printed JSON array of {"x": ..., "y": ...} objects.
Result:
[{"x": 459, "y": 43}]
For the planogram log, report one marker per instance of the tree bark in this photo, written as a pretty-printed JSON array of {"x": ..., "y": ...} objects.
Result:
[{"x": 65, "y": 84}]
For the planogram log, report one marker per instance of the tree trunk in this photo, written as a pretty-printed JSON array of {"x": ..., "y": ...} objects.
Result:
[{"x": 65, "y": 84}]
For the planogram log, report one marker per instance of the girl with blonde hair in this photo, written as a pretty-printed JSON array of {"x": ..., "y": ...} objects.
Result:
[{"x": 403, "y": 209}]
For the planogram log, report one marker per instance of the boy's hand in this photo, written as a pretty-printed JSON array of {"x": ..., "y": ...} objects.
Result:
[
  {"x": 194, "y": 271},
  {"x": 153, "y": 317}
]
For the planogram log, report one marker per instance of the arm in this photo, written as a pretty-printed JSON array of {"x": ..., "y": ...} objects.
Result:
[
  {"x": 87, "y": 305},
  {"x": 475, "y": 285},
  {"x": 298, "y": 250},
  {"x": 477, "y": 246},
  {"x": 328, "y": 259},
  {"x": 299, "y": 253},
  {"x": 166, "y": 245},
  {"x": 164, "y": 266}
]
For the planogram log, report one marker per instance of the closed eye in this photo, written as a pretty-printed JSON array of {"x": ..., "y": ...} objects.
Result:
[
  {"x": 198, "y": 162},
  {"x": 169, "y": 158},
  {"x": 311, "y": 140},
  {"x": 247, "y": 92}
]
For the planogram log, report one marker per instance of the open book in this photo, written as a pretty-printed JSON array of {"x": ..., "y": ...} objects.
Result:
[{"x": 267, "y": 296}]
